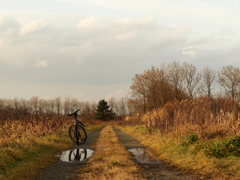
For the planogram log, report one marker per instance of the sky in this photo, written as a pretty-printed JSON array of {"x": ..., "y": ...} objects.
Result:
[{"x": 90, "y": 50}]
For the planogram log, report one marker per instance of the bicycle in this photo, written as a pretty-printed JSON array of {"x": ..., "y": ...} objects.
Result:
[{"x": 77, "y": 132}]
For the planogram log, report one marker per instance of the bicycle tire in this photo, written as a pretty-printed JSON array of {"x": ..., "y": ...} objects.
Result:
[
  {"x": 81, "y": 134},
  {"x": 77, "y": 155},
  {"x": 77, "y": 134}
]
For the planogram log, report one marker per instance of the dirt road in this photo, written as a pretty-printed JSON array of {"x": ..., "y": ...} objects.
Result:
[{"x": 146, "y": 162}]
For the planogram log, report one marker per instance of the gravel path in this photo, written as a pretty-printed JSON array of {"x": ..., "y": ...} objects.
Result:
[{"x": 153, "y": 171}]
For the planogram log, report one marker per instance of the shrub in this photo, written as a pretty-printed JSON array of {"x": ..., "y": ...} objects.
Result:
[
  {"x": 191, "y": 138},
  {"x": 225, "y": 148}
]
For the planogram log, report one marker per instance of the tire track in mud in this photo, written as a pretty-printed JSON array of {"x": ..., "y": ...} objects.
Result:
[
  {"x": 111, "y": 160},
  {"x": 66, "y": 170},
  {"x": 153, "y": 171}
]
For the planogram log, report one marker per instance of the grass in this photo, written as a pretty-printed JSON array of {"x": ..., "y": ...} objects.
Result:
[
  {"x": 24, "y": 157},
  {"x": 110, "y": 161},
  {"x": 216, "y": 158}
]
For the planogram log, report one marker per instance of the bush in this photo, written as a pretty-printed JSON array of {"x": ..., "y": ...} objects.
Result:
[
  {"x": 223, "y": 149},
  {"x": 191, "y": 138}
]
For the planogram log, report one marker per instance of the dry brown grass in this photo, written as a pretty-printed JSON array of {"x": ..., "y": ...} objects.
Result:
[
  {"x": 191, "y": 116},
  {"x": 29, "y": 145},
  {"x": 188, "y": 157},
  {"x": 110, "y": 161}
]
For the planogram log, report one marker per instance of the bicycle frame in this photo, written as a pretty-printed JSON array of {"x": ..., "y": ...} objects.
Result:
[
  {"x": 76, "y": 121},
  {"x": 78, "y": 130}
]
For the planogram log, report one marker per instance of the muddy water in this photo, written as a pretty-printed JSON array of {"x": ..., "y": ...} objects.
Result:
[
  {"x": 65, "y": 170},
  {"x": 76, "y": 155},
  {"x": 140, "y": 153},
  {"x": 142, "y": 156},
  {"x": 152, "y": 167}
]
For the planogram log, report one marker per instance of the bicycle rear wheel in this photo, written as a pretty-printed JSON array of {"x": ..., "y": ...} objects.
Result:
[{"x": 81, "y": 134}]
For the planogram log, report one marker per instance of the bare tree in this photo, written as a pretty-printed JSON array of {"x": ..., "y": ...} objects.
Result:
[
  {"x": 123, "y": 106},
  {"x": 138, "y": 93},
  {"x": 191, "y": 78},
  {"x": 229, "y": 79},
  {"x": 88, "y": 110},
  {"x": 34, "y": 101},
  {"x": 208, "y": 78},
  {"x": 67, "y": 105},
  {"x": 152, "y": 89},
  {"x": 58, "y": 105},
  {"x": 175, "y": 74},
  {"x": 119, "y": 106}
]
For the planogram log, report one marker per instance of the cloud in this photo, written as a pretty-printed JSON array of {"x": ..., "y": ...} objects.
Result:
[
  {"x": 32, "y": 27},
  {"x": 90, "y": 23},
  {"x": 95, "y": 50},
  {"x": 42, "y": 63},
  {"x": 220, "y": 12}
]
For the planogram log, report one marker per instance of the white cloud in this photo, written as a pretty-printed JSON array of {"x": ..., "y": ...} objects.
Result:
[
  {"x": 97, "y": 53},
  {"x": 32, "y": 27},
  {"x": 41, "y": 63},
  {"x": 90, "y": 23},
  {"x": 221, "y": 12}
]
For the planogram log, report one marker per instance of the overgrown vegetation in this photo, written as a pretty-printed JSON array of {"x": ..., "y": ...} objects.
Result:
[
  {"x": 28, "y": 145},
  {"x": 216, "y": 158},
  {"x": 22, "y": 158},
  {"x": 224, "y": 148}
]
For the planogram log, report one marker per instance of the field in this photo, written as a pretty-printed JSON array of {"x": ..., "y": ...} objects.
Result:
[{"x": 186, "y": 134}]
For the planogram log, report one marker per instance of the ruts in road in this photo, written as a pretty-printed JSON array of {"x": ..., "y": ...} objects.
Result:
[{"x": 150, "y": 170}]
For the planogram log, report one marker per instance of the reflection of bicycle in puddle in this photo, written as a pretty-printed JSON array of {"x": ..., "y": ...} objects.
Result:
[{"x": 76, "y": 155}]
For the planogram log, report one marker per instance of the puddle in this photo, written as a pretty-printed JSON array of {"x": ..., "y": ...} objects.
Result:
[
  {"x": 142, "y": 156},
  {"x": 76, "y": 155}
]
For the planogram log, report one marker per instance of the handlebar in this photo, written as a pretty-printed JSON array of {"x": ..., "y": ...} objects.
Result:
[{"x": 74, "y": 113}]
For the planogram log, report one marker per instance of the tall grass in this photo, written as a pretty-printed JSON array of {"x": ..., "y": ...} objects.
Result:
[
  {"x": 203, "y": 116},
  {"x": 30, "y": 144},
  {"x": 216, "y": 159},
  {"x": 201, "y": 135}
]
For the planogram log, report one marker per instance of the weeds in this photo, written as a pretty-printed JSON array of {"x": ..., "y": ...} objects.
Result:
[
  {"x": 224, "y": 148},
  {"x": 30, "y": 154},
  {"x": 191, "y": 138},
  {"x": 31, "y": 144},
  {"x": 218, "y": 159}
]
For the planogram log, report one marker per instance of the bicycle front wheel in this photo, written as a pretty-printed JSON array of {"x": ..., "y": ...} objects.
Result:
[{"x": 81, "y": 134}]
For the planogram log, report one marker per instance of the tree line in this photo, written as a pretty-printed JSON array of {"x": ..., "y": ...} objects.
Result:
[
  {"x": 179, "y": 81},
  {"x": 35, "y": 108},
  {"x": 150, "y": 90}
]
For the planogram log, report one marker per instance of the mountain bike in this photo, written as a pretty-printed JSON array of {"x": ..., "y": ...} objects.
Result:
[{"x": 77, "y": 132}]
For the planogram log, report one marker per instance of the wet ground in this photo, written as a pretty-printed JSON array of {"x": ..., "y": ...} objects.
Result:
[
  {"x": 72, "y": 159},
  {"x": 153, "y": 168},
  {"x": 63, "y": 170}
]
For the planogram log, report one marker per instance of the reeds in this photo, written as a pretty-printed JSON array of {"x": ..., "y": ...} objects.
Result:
[{"x": 202, "y": 116}]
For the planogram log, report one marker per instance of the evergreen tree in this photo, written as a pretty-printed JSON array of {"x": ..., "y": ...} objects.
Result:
[{"x": 103, "y": 112}]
